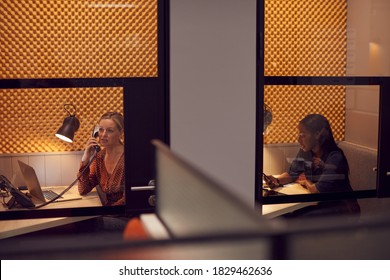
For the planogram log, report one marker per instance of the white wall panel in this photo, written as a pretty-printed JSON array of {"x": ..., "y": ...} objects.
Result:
[
  {"x": 52, "y": 169},
  {"x": 213, "y": 88}
]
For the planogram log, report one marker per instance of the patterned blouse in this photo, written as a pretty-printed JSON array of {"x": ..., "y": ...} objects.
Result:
[{"x": 111, "y": 184}]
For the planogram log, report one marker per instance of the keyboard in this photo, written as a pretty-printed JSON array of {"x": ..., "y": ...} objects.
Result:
[{"x": 49, "y": 194}]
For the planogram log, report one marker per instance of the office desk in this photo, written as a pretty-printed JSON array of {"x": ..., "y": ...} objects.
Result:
[
  {"x": 11, "y": 228},
  {"x": 270, "y": 211}
]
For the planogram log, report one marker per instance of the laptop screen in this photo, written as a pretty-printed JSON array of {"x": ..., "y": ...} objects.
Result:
[{"x": 31, "y": 180}]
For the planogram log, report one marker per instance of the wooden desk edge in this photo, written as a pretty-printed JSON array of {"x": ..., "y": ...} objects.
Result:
[{"x": 10, "y": 228}]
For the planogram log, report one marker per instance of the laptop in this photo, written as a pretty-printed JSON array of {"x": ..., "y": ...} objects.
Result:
[{"x": 34, "y": 187}]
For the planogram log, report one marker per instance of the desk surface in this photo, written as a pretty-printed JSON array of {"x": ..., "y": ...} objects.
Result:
[
  {"x": 274, "y": 210},
  {"x": 11, "y": 228},
  {"x": 293, "y": 188}
]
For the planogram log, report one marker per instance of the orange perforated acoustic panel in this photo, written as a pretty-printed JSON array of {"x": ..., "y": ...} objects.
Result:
[
  {"x": 304, "y": 38},
  {"x": 43, "y": 39},
  {"x": 29, "y": 118},
  {"x": 291, "y": 103},
  {"x": 78, "y": 39}
]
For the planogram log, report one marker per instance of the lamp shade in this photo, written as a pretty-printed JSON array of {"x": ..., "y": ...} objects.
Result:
[{"x": 68, "y": 128}]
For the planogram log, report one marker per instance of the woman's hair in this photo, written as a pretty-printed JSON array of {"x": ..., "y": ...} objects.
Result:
[
  {"x": 116, "y": 117},
  {"x": 315, "y": 123}
]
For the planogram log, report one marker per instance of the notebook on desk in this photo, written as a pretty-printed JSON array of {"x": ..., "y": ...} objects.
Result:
[{"x": 35, "y": 189}]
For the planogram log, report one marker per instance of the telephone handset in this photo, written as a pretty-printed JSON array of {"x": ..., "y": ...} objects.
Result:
[
  {"x": 17, "y": 196},
  {"x": 95, "y": 134}
]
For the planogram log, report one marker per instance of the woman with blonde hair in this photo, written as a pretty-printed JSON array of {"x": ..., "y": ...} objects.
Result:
[{"x": 107, "y": 170}]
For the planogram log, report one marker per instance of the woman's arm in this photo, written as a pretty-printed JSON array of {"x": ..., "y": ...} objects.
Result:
[
  {"x": 278, "y": 181},
  {"x": 309, "y": 185},
  {"x": 88, "y": 179},
  {"x": 334, "y": 176},
  {"x": 121, "y": 201}
]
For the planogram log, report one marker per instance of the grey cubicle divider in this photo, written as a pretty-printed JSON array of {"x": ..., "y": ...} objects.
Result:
[{"x": 190, "y": 202}]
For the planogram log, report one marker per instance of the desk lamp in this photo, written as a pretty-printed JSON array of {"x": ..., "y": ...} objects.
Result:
[
  {"x": 70, "y": 125},
  {"x": 66, "y": 132},
  {"x": 267, "y": 117}
]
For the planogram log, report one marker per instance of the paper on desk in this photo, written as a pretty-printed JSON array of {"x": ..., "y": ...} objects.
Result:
[{"x": 292, "y": 189}]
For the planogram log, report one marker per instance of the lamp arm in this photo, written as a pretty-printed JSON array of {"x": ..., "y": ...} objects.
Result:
[{"x": 67, "y": 106}]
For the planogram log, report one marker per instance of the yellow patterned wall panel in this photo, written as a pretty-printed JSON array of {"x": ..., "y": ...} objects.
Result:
[
  {"x": 29, "y": 118},
  {"x": 43, "y": 39},
  {"x": 73, "y": 39},
  {"x": 304, "y": 38},
  {"x": 78, "y": 39},
  {"x": 291, "y": 103}
]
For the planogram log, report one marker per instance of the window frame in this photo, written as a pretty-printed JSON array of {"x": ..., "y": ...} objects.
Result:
[
  {"x": 145, "y": 102},
  {"x": 383, "y": 174}
]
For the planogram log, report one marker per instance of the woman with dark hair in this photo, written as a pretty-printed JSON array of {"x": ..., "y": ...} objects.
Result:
[{"x": 320, "y": 165}]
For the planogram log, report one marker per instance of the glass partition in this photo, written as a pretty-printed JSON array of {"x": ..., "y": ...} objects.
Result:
[
  {"x": 326, "y": 38},
  {"x": 97, "y": 56},
  {"x": 368, "y": 42},
  {"x": 353, "y": 115},
  {"x": 329, "y": 58}
]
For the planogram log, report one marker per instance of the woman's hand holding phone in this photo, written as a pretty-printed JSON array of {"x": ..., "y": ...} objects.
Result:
[
  {"x": 95, "y": 134},
  {"x": 92, "y": 147},
  {"x": 271, "y": 181}
]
